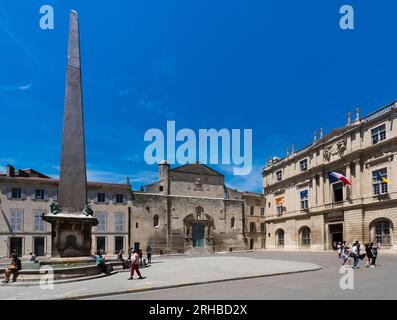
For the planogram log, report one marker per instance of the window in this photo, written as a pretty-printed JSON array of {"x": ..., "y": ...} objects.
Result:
[
  {"x": 382, "y": 232},
  {"x": 119, "y": 198},
  {"x": 155, "y": 220},
  {"x": 303, "y": 165},
  {"x": 16, "y": 220},
  {"x": 279, "y": 175},
  {"x": 119, "y": 217},
  {"x": 379, "y": 184},
  {"x": 262, "y": 212},
  {"x": 161, "y": 188},
  {"x": 136, "y": 225},
  {"x": 39, "y": 194},
  {"x": 338, "y": 191},
  {"x": 263, "y": 227},
  {"x": 378, "y": 134},
  {"x": 101, "y": 197},
  {"x": 280, "y": 209},
  {"x": 118, "y": 244},
  {"x": 304, "y": 196},
  {"x": 16, "y": 193},
  {"x": 305, "y": 236},
  {"x": 252, "y": 211},
  {"x": 280, "y": 238},
  {"x": 101, "y": 216},
  {"x": 39, "y": 224},
  {"x": 101, "y": 244},
  {"x": 232, "y": 222},
  {"x": 252, "y": 227}
]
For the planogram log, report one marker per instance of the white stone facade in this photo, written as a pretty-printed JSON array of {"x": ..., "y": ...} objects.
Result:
[{"x": 305, "y": 210}]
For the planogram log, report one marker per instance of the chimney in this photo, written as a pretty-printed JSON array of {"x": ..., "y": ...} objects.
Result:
[
  {"x": 349, "y": 118},
  {"x": 321, "y": 133},
  {"x": 10, "y": 171},
  {"x": 293, "y": 150},
  {"x": 287, "y": 152},
  {"x": 315, "y": 136},
  {"x": 357, "y": 115}
]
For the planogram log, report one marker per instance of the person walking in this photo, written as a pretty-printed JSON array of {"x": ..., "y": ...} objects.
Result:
[
  {"x": 149, "y": 252},
  {"x": 375, "y": 252},
  {"x": 339, "y": 249},
  {"x": 135, "y": 265},
  {"x": 368, "y": 252},
  {"x": 346, "y": 256},
  {"x": 356, "y": 256}
]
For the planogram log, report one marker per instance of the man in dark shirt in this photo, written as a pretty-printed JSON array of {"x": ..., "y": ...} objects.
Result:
[{"x": 13, "y": 269}]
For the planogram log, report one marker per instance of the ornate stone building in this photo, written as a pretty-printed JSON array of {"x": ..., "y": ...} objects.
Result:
[
  {"x": 189, "y": 208},
  {"x": 307, "y": 211}
]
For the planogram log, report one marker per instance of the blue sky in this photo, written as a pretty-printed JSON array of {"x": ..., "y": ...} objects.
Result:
[{"x": 282, "y": 68}]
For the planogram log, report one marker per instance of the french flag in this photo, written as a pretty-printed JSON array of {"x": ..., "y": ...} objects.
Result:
[{"x": 334, "y": 176}]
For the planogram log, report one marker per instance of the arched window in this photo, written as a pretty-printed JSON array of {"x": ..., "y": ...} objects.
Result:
[
  {"x": 382, "y": 232},
  {"x": 155, "y": 220},
  {"x": 305, "y": 236},
  {"x": 280, "y": 238},
  {"x": 232, "y": 222}
]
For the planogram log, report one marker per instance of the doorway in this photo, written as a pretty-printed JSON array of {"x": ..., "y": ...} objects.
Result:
[
  {"x": 16, "y": 246},
  {"x": 39, "y": 247},
  {"x": 251, "y": 244},
  {"x": 198, "y": 235},
  {"x": 336, "y": 234}
]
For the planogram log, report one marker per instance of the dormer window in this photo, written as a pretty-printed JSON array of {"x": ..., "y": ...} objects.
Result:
[
  {"x": 303, "y": 165},
  {"x": 279, "y": 175}
]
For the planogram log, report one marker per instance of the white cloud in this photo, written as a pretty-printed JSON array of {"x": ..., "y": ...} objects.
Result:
[{"x": 16, "y": 88}]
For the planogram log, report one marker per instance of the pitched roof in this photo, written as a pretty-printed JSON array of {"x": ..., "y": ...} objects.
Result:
[{"x": 197, "y": 168}]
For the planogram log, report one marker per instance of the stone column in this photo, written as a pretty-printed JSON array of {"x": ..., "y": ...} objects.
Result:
[
  {"x": 348, "y": 176},
  {"x": 357, "y": 184},
  {"x": 321, "y": 189},
  {"x": 313, "y": 192}
]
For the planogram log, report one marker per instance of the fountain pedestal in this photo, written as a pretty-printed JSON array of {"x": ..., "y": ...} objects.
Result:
[{"x": 71, "y": 234}]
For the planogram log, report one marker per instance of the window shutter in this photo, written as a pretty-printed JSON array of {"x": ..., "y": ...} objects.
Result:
[
  {"x": 33, "y": 194},
  {"x": 114, "y": 199},
  {"x": 46, "y": 195},
  {"x": 9, "y": 193},
  {"x": 125, "y": 199},
  {"x": 106, "y": 198},
  {"x": 23, "y": 194}
]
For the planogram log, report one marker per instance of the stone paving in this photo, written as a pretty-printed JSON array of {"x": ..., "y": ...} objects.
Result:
[{"x": 164, "y": 273}]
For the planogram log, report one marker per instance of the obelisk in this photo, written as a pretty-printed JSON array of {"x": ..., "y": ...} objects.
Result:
[
  {"x": 71, "y": 217},
  {"x": 73, "y": 179}
]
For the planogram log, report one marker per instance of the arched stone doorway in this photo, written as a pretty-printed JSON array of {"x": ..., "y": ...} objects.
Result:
[{"x": 198, "y": 228}]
